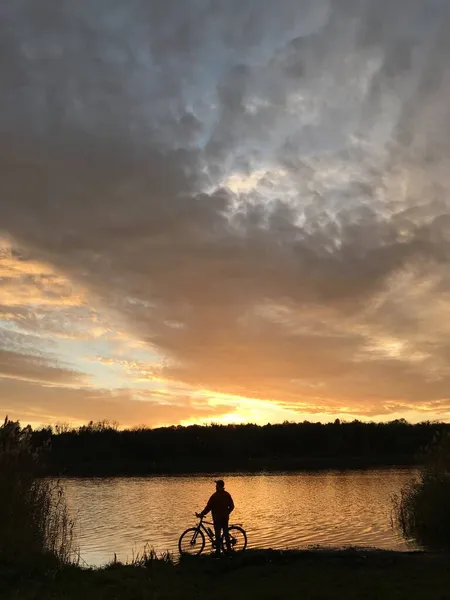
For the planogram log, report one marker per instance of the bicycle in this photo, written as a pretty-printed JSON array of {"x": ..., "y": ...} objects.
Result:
[{"x": 193, "y": 540}]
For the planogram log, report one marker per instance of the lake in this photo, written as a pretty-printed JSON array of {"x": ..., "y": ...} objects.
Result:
[{"x": 278, "y": 510}]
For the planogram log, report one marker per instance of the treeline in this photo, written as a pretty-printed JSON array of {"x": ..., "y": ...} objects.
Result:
[{"x": 102, "y": 449}]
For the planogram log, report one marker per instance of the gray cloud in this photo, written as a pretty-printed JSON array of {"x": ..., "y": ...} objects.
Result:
[
  {"x": 130, "y": 132},
  {"x": 15, "y": 365}
]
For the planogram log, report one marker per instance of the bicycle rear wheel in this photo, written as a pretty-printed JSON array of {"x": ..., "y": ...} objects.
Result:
[
  {"x": 238, "y": 539},
  {"x": 192, "y": 541}
]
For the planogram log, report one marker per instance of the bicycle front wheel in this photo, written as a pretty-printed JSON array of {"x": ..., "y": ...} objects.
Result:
[
  {"x": 192, "y": 541},
  {"x": 238, "y": 539}
]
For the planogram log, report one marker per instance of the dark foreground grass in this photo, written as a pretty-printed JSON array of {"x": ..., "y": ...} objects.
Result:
[{"x": 260, "y": 574}]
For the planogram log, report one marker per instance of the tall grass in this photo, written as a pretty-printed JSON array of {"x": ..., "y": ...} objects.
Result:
[
  {"x": 34, "y": 518},
  {"x": 422, "y": 509}
]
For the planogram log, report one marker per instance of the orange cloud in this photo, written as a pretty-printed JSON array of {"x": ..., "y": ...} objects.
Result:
[{"x": 31, "y": 402}]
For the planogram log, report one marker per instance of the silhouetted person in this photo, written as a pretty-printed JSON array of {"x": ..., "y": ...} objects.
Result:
[{"x": 221, "y": 505}]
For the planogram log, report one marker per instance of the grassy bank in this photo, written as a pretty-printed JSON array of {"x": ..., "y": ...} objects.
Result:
[{"x": 260, "y": 574}]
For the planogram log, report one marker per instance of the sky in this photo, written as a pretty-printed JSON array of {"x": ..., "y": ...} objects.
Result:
[{"x": 224, "y": 211}]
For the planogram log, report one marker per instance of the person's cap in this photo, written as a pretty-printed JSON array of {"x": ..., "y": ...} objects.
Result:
[{"x": 220, "y": 482}]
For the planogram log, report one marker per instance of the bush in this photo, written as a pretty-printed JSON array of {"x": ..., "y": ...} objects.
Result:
[
  {"x": 35, "y": 521},
  {"x": 421, "y": 510}
]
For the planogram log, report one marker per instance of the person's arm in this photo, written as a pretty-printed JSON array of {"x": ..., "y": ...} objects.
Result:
[
  {"x": 231, "y": 505},
  {"x": 207, "y": 508}
]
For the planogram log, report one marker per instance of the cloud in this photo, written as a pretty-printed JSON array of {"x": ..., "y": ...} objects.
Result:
[
  {"x": 256, "y": 190},
  {"x": 28, "y": 368},
  {"x": 35, "y": 297},
  {"x": 31, "y": 402}
]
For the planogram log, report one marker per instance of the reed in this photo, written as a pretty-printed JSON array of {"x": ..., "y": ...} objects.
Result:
[
  {"x": 35, "y": 522},
  {"x": 421, "y": 509}
]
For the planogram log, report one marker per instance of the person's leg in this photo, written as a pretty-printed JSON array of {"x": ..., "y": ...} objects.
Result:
[
  {"x": 227, "y": 534},
  {"x": 218, "y": 534}
]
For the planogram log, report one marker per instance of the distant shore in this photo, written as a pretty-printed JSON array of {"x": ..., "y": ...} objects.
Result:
[
  {"x": 263, "y": 574},
  {"x": 100, "y": 450}
]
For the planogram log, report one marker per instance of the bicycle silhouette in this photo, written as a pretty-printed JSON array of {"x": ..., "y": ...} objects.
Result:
[{"x": 193, "y": 540}]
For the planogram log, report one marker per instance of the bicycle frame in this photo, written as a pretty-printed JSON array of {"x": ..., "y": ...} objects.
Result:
[
  {"x": 202, "y": 526},
  {"x": 202, "y": 530},
  {"x": 206, "y": 530}
]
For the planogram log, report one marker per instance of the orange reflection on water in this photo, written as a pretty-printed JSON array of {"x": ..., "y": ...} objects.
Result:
[{"x": 347, "y": 508}]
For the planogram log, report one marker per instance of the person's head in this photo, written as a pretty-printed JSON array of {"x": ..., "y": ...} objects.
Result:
[{"x": 220, "y": 485}]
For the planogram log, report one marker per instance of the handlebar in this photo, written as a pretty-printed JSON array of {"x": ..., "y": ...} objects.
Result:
[{"x": 202, "y": 521}]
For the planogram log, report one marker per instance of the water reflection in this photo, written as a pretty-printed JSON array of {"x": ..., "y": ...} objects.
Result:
[{"x": 120, "y": 515}]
